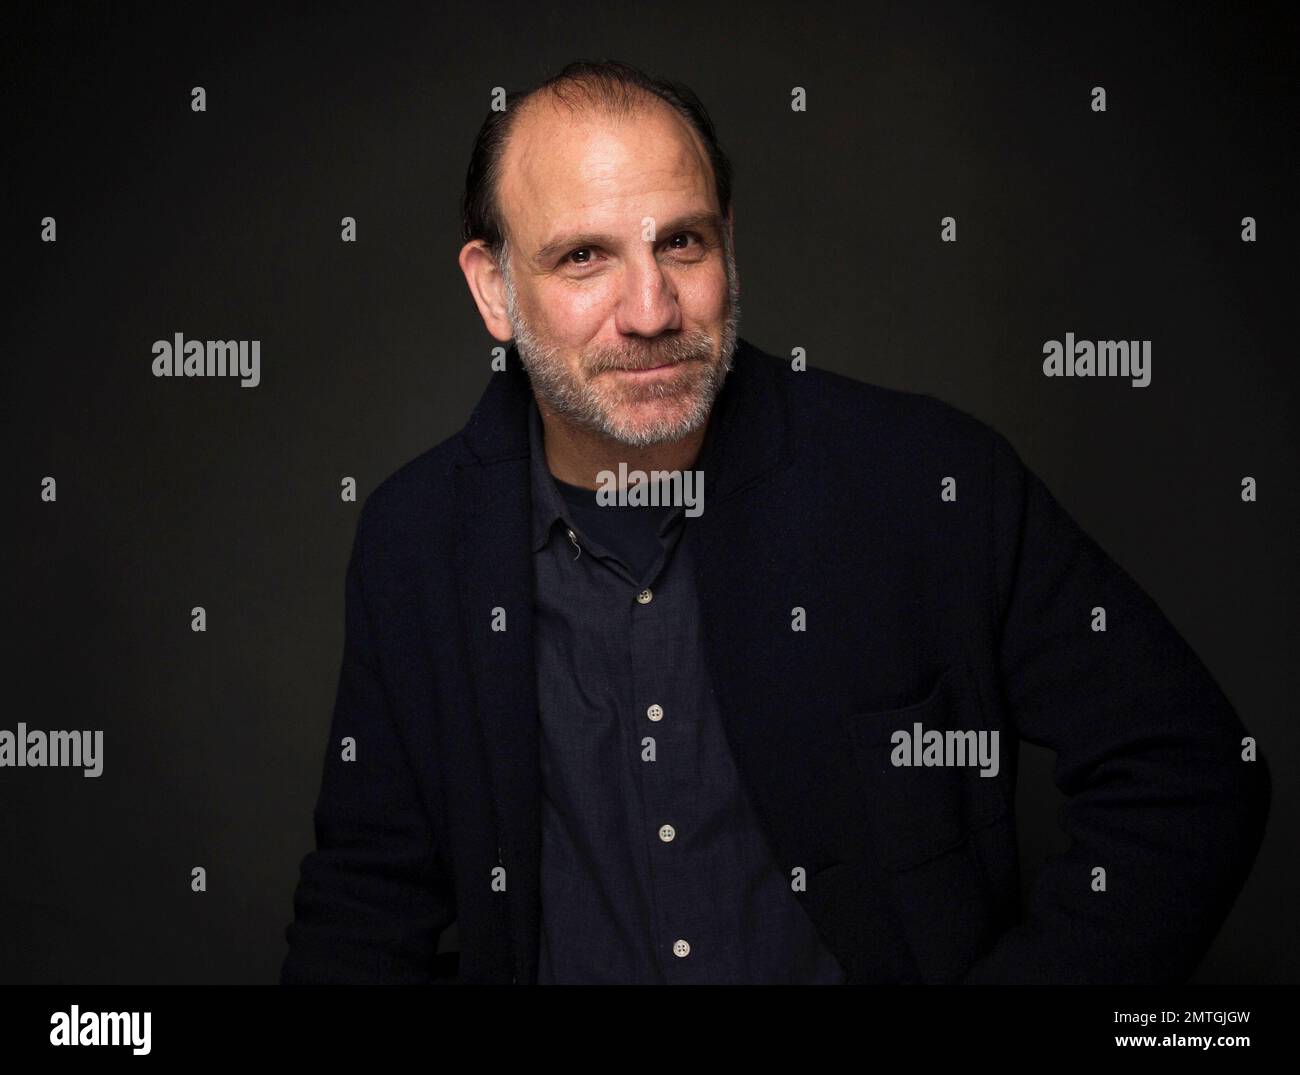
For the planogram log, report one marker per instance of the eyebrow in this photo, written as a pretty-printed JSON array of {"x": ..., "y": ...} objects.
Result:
[{"x": 708, "y": 222}]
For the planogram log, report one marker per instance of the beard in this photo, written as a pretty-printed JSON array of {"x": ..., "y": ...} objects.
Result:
[{"x": 606, "y": 405}]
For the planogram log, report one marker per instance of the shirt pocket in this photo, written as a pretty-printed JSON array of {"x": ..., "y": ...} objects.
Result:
[{"x": 919, "y": 812}]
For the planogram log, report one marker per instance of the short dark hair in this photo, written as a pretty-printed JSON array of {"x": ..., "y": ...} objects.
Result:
[{"x": 608, "y": 85}]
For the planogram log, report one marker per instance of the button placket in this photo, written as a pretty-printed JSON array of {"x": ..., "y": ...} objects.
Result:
[{"x": 660, "y": 780}]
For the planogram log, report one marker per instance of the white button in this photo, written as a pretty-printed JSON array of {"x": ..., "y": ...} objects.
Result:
[
  {"x": 645, "y": 597},
  {"x": 666, "y": 833},
  {"x": 655, "y": 712},
  {"x": 681, "y": 948}
]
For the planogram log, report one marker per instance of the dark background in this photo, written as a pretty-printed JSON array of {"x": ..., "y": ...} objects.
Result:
[{"x": 225, "y": 225}]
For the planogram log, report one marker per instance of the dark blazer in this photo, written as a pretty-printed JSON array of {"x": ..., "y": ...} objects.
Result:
[{"x": 973, "y": 613}]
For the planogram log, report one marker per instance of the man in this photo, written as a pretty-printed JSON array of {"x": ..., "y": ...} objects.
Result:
[{"x": 758, "y": 729}]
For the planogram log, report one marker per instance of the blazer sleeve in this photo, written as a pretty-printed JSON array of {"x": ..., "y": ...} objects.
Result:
[
  {"x": 1149, "y": 755},
  {"x": 374, "y": 896}
]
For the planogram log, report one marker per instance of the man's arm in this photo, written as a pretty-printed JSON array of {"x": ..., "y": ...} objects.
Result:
[
  {"x": 1148, "y": 754},
  {"x": 374, "y": 896}
]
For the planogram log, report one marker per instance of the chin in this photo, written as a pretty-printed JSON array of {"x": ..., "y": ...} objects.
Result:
[{"x": 634, "y": 424}]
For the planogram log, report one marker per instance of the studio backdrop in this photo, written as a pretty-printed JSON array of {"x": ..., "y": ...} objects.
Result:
[{"x": 933, "y": 199}]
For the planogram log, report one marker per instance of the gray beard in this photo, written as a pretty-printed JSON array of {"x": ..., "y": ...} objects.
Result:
[{"x": 574, "y": 400}]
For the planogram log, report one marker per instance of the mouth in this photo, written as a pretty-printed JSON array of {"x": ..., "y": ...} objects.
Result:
[{"x": 646, "y": 373}]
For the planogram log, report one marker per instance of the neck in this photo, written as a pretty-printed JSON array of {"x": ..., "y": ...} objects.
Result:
[{"x": 576, "y": 456}]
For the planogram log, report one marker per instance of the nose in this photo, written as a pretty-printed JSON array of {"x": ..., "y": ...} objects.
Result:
[{"x": 648, "y": 303}]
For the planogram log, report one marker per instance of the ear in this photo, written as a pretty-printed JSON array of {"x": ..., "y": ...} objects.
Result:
[{"x": 488, "y": 288}]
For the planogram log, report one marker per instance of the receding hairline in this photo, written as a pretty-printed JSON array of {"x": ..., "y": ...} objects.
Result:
[{"x": 581, "y": 97}]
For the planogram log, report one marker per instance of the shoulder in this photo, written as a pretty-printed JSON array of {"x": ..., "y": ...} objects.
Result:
[
  {"x": 410, "y": 505},
  {"x": 837, "y": 416}
]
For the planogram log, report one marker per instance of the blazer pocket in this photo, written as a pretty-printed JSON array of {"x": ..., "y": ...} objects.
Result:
[{"x": 918, "y": 812}]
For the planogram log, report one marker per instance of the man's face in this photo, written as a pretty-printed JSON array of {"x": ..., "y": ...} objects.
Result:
[{"x": 621, "y": 285}]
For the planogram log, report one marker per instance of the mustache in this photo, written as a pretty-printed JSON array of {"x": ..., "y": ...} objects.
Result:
[{"x": 671, "y": 354}]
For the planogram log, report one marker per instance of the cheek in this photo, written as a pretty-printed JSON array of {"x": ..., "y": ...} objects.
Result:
[
  {"x": 703, "y": 297},
  {"x": 587, "y": 308},
  {"x": 572, "y": 316}
]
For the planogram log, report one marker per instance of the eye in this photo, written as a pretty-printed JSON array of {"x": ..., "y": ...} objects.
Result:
[
  {"x": 687, "y": 242},
  {"x": 568, "y": 258}
]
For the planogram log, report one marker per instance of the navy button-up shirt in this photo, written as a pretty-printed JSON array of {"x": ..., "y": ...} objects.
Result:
[{"x": 654, "y": 867}]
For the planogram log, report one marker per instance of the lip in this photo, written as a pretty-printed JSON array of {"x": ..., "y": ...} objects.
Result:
[{"x": 653, "y": 371}]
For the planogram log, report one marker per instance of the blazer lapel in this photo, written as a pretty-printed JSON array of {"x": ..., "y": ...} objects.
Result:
[
  {"x": 495, "y": 571},
  {"x": 742, "y": 563}
]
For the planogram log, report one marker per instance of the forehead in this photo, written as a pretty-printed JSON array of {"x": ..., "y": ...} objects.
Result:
[{"x": 566, "y": 169}]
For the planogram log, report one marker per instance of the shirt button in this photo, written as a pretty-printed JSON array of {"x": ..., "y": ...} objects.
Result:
[
  {"x": 645, "y": 597},
  {"x": 666, "y": 833},
  {"x": 681, "y": 948},
  {"x": 655, "y": 712}
]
